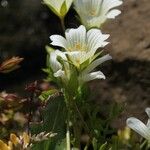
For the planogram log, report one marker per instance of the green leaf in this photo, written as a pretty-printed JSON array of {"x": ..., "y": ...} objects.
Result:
[
  {"x": 94, "y": 143},
  {"x": 103, "y": 147},
  {"x": 61, "y": 145},
  {"x": 49, "y": 49},
  {"x": 63, "y": 9},
  {"x": 115, "y": 143},
  {"x": 47, "y": 94},
  {"x": 53, "y": 121}
]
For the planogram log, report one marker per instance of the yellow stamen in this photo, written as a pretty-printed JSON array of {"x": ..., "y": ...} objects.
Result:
[
  {"x": 93, "y": 12},
  {"x": 78, "y": 46}
]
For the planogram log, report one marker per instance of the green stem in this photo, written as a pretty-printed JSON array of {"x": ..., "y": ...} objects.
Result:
[
  {"x": 143, "y": 145},
  {"x": 77, "y": 132},
  {"x": 68, "y": 145},
  {"x": 86, "y": 147},
  {"x": 81, "y": 117},
  {"x": 62, "y": 20},
  {"x": 72, "y": 116},
  {"x": 85, "y": 125},
  {"x": 68, "y": 133}
]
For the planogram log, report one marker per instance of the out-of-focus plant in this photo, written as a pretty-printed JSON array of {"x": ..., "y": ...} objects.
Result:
[
  {"x": 10, "y": 64},
  {"x": 24, "y": 141},
  {"x": 124, "y": 135},
  {"x": 16, "y": 112},
  {"x": 11, "y": 114}
]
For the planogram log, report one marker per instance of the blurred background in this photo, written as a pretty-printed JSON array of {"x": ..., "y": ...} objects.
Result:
[{"x": 25, "y": 27}]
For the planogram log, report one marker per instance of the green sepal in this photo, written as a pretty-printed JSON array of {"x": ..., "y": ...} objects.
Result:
[
  {"x": 63, "y": 10},
  {"x": 49, "y": 49},
  {"x": 52, "y": 9}
]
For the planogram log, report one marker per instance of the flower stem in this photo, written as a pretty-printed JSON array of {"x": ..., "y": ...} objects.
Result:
[
  {"x": 68, "y": 133},
  {"x": 63, "y": 24},
  {"x": 68, "y": 145}
]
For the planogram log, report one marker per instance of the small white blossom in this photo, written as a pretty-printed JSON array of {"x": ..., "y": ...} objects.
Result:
[
  {"x": 80, "y": 45},
  {"x": 94, "y": 13},
  {"x": 59, "y": 7},
  {"x": 86, "y": 75},
  {"x": 140, "y": 127},
  {"x": 55, "y": 65}
]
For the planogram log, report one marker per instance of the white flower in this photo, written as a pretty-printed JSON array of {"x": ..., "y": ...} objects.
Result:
[
  {"x": 94, "y": 13},
  {"x": 59, "y": 7},
  {"x": 80, "y": 45},
  {"x": 86, "y": 75},
  {"x": 140, "y": 127},
  {"x": 55, "y": 65}
]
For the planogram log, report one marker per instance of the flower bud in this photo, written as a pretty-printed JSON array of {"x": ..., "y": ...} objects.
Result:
[
  {"x": 10, "y": 64},
  {"x": 59, "y": 7}
]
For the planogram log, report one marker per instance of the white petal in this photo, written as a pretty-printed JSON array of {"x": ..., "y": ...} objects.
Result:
[
  {"x": 148, "y": 123},
  {"x": 55, "y": 65},
  {"x": 55, "y": 4},
  {"x": 92, "y": 76},
  {"x": 96, "y": 39},
  {"x": 93, "y": 13},
  {"x": 139, "y": 127},
  {"x": 59, "y": 73},
  {"x": 147, "y": 110},
  {"x": 76, "y": 37},
  {"x": 113, "y": 13},
  {"x": 61, "y": 54},
  {"x": 68, "y": 3},
  {"x": 109, "y": 4},
  {"x": 97, "y": 62},
  {"x": 58, "y": 40},
  {"x": 77, "y": 57}
]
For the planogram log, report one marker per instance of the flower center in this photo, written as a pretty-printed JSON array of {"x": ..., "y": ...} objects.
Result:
[
  {"x": 92, "y": 12},
  {"x": 77, "y": 47}
]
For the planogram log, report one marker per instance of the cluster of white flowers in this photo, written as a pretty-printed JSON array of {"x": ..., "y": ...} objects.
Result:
[
  {"x": 80, "y": 46},
  {"x": 79, "y": 49},
  {"x": 93, "y": 13},
  {"x": 139, "y": 127}
]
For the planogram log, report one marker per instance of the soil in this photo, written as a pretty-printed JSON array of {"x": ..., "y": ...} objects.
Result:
[{"x": 128, "y": 74}]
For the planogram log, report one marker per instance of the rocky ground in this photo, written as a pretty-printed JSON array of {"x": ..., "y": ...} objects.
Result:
[
  {"x": 128, "y": 78},
  {"x": 26, "y": 26}
]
